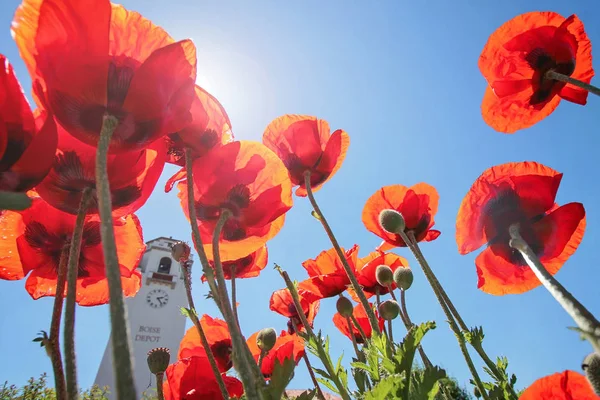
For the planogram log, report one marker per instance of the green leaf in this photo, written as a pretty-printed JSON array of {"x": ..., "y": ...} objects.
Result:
[
  {"x": 14, "y": 201},
  {"x": 328, "y": 384},
  {"x": 282, "y": 374},
  {"x": 307, "y": 395},
  {"x": 426, "y": 383},
  {"x": 322, "y": 372},
  {"x": 185, "y": 312},
  {"x": 386, "y": 388}
]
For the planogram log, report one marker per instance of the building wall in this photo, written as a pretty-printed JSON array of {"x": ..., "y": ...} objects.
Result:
[{"x": 151, "y": 323}]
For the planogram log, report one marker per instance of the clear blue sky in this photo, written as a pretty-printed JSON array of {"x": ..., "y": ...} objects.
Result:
[{"x": 402, "y": 79}]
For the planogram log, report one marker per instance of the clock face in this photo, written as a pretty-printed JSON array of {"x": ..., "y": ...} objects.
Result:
[{"x": 157, "y": 298}]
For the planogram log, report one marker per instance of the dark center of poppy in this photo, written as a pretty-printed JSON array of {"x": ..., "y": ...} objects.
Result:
[
  {"x": 542, "y": 62},
  {"x": 222, "y": 352},
  {"x": 15, "y": 146},
  {"x": 53, "y": 244},
  {"x": 209, "y": 139},
  {"x": 237, "y": 199},
  {"x": 71, "y": 177},
  {"x": 238, "y": 265},
  {"x": 502, "y": 211}
]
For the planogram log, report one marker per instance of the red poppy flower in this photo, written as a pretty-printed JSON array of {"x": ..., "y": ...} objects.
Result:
[
  {"x": 362, "y": 319},
  {"x": 247, "y": 267},
  {"x": 35, "y": 238},
  {"x": 250, "y": 181},
  {"x": 521, "y": 193},
  {"x": 327, "y": 277},
  {"x": 210, "y": 127},
  {"x": 515, "y": 60},
  {"x": 193, "y": 379},
  {"x": 26, "y": 148},
  {"x": 218, "y": 338},
  {"x": 367, "y": 266},
  {"x": 286, "y": 347},
  {"x": 565, "y": 385},
  {"x": 282, "y": 303},
  {"x": 303, "y": 143},
  {"x": 132, "y": 176},
  {"x": 418, "y": 205},
  {"x": 91, "y": 58}
]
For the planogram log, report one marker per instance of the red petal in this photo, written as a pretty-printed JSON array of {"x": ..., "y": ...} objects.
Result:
[
  {"x": 11, "y": 228},
  {"x": 567, "y": 385}
]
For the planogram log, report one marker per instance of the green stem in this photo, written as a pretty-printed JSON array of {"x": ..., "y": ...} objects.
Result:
[
  {"x": 187, "y": 280},
  {"x": 323, "y": 356},
  {"x": 584, "y": 319},
  {"x": 360, "y": 329},
  {"x": 261, "y": 357},
  {"x": 575, "y": 82},
  {"x": 123, "y": 365},
  {"x": 391, "y": 335},
  {"x": 313, "y": 377},
  {"x": 409, "y": 324},
  {"x": 198, "y": 244},
  {"x": 414, "y": 247},
  {"x": 353, "y": 338},
  {"x": 234, "y": 296},
  {"x": 354, "y": 282},
  {"x": 73, "y": 268},
  {"x": 159, "y": 386},
  {"x": 56, "y": 357},
  {"x": 250, "y": 375}
]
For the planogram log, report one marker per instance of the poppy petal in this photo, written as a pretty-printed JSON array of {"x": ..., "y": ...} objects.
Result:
[
  {"x": 12, "y": 227},
  {"x": 565, "y": 385},
  {"x": 561, "y": 231}
]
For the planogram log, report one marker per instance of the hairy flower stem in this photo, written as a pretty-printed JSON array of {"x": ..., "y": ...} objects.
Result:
[
  {"x": 198, "y": 244},
  {"x": 391, "y": 335},
  {"x": 354, "y": 282},
  {"x": 186, "y": 266},
  {"x": 250, "y": 374},
  {"x": 159, "y": 386},
  {"x": 54, "y": 351},
  {"x": 412, "y": 245},
  {"x": 323, "y": 356},
  {"x": 360, "y": 329},
  {"x": 359, "y": 355},
  {"x": 557, "y": 76},
  {"x": 234, "y": 296},
  {"x": 315, "y": 382},
  {"x": 122, "y": 362},
  {"x": 584, "y": 319},
  {"x": 69, "y": 333},
  {"x": 409, "y": 324}
]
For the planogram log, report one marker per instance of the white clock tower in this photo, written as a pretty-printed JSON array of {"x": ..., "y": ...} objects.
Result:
[{"x": 154, "y": 315}]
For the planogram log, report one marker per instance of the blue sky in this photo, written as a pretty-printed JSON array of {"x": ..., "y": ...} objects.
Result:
[{"x": 402, "y": 79}]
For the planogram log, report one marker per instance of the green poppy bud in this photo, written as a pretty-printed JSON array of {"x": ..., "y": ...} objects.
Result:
[
  {"x": 158, "y": 360},
  {"x": 384, "y": 275},
  {"x": 392, "y": 221},
  {"x": 591, "y": 366},
  {"x": 266, "y": 339},
  {"x": 344, "y": 307},
  {"x": 389, "y": 310},
  {"x": 403, "y": 277}
]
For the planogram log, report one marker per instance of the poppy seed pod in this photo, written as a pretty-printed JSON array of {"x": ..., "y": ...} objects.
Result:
[
  {"x": 344, "y": 307},
  {"x": 392, "y": 221},
  {"x": 404, "y": 278},
  {"x": 181, "y": 251},
  {"x": 389, "y": 310},
  {"x": 591, "y": 366},
  {"x": 384, "y": 275},
  {"x": 266, "y": 339},
  {"x": 158, "y": 360}
]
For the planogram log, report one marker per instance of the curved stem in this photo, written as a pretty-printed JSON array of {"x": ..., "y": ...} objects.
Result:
[
  {"x": 250, "y": 375},
  {"x": 234, "y": 296},
  {"x": 409, "y": 323},
  {"x": 73, "y": 269},
  {"x": 391, "y": 334},
  {"x": 353, "y": 281},
  {"x": 360, "y": 329},
  {"x": 261, "y": 358},
  {"x": 206, "y": 269},
  {"x": 187, "y": 280},
  {"x": 323, "y": 356},
  {"x": 353, "y": 338},
  {"x": 313, "y": 377},
  {"x": 159, "y": 386},
  {"x": 413, "y": 246},
  {"x": 55, "y": 355},
  {"x": 584, "y": 319},
  {"x": 575, "y": 82},
  {"x": 123, "y": 365}
]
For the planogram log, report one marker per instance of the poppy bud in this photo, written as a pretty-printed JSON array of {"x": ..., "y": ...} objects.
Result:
[
  {"x": 266, "y": 338},
  {"x": 591, "y": 366},
  {"x": 158, "y": 360},
  {"x": 181, "y": 251},
  {"x": 344, "y": 307},
  {"x": 403, "y": 278},
  {"x": 389, "y": 310},
  {"x": 384, "y": 275},
  {"x": 392, "y": 221}
]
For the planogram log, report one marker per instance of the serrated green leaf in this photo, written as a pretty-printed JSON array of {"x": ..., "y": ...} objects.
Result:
[
  {"x": 307, "y": 395},
  {"x": 426, "y": 383},
  {"x": 322, "y": 372},
  {"x": 328, "y": 385},
  {"x": 385, "y": 388},
  {"x": 282, "y": 374}
]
